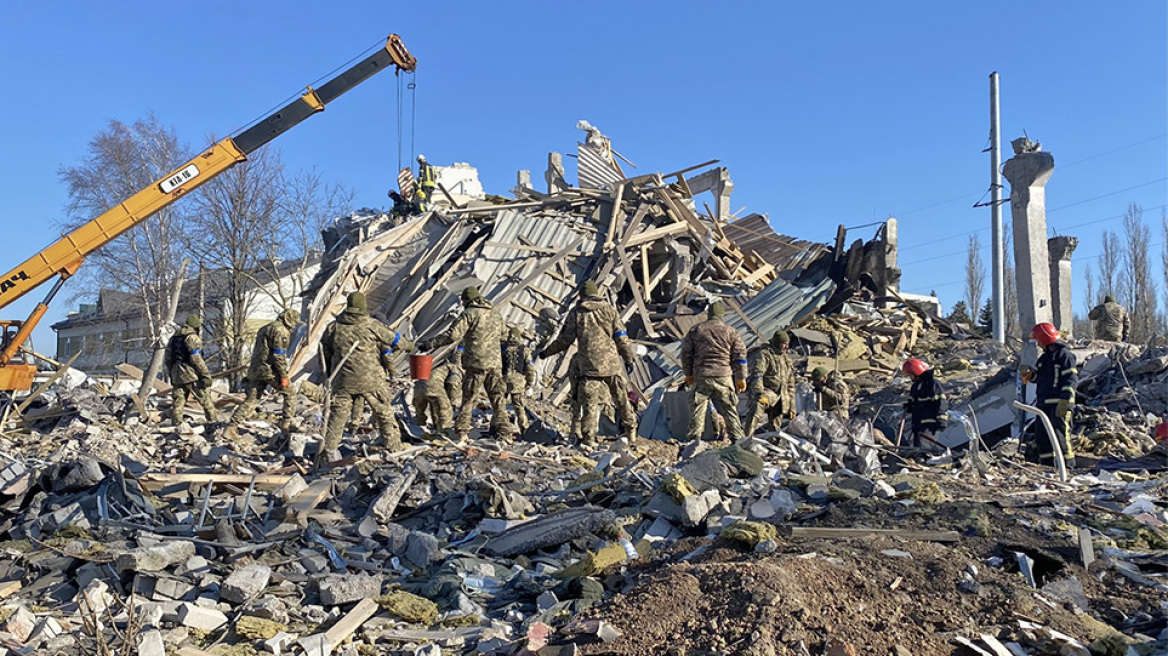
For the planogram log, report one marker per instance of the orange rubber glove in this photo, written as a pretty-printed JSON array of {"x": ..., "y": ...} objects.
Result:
[
  {"x": 284, "y": 383},
  {"x": 689, "y": 381},
  {"x": 740, "y": 385}
]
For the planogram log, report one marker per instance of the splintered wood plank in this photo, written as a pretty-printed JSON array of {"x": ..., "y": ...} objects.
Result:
[{"x": 310, "y": 498}]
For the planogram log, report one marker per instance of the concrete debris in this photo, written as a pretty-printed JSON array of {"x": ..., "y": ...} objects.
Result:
[{"x": 227, "y": 540}]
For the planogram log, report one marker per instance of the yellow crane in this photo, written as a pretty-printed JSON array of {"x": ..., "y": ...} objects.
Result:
[{"x": 63, "y": 258}]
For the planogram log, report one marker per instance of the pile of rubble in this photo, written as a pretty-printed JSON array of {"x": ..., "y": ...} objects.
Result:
[{"x": 118, "y": 535}]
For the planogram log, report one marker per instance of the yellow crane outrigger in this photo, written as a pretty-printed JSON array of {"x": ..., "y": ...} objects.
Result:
[{"x": 63, "y": 258}]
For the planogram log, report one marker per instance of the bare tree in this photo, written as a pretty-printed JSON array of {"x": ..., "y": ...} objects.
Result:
[
  {"x": 1089, "y": 298},
  {"x": 1139, "y": 289},
  {"x": 1111, "y": 275},
  {"x": 121, "y": 161},
  {"x": 306, "y": 205},
  {"x": 1011, "y": 290},
  {"x": 237, "y": 222},
  {"x": 974, "y": 274}
]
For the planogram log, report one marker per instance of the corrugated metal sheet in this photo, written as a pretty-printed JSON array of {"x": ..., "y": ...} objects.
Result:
[
  {"x": 778, "y": 305},
  {"x": 593, "y": 171},
  {"x": 754, "y": 234},
  {"x": 502, "y": 268}
]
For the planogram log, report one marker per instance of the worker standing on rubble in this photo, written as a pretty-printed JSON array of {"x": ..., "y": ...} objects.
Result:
[
  {"x": 519, "y": 374},
  {"x": 926, "y": 403},
  {"x": 269, "y": 368},
  {"x": 831, "y": 392},
  {"x": 427, "y": 184},
  {"x": 188, "y": 372},
  {"x": 480, "y": 330},
  {"x": 1055, "y": 375},
  {"x": 713, "y": 359},
  {"x": 1112, "y": 322},
  {"x": 353, "y": 346},
  {"x": 430, "y": 398},
  {"x": 771, "y": 383},
  {"x": 604, "y": 351}
]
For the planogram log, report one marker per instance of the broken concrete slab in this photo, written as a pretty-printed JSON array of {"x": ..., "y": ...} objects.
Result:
[
  {"x": 549, "y": 530},
  {"x": 246, "y": 583},
  {"x": 339, "y": 589},
  {"x": 155, "y": 559}
]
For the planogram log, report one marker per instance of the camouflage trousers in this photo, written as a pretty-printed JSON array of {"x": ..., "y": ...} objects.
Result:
[
  {"x": 453, "y": 387},
  {"x": 594, "y": 393},
  {"x": 718, "y": 390},
  {"x": 255, "y": 391},
  {"x": 491, "y": 380},
  {"x": 764, "y": 409},
  {"x": 179, "y": 395},
  {"x": 437, "y": 406},
  {"x": 516, "y": 392},
  {"x": 341, "y": 408}
]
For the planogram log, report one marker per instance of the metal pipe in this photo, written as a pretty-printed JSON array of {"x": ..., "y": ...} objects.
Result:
[
  {"x": 998, "y": 246},
  {"x": 1060, "y": 465}
]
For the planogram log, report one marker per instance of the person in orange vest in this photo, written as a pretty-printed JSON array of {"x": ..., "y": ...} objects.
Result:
[{"x": 1055, "y": 375}]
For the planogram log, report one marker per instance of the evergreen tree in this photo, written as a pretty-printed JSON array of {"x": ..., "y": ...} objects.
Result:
[{"x": 959, "y": 314}]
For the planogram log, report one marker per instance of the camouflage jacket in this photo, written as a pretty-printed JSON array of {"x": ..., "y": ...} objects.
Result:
[
  {"x": 772, "y": 370},
  {"x": 184, "y": 357},
  {"x": 1112, "y": 322},
  {"x": 517, "y": 361},
  {"x": 713, "y": 349},
  {"x": 600, "y": 338},
  {"x": 435, "y": 386},
  {"x": 480, "y": 329},
  {"x": 269, "y": 356},
  {"x": 367, "y": 339},
  {"x": 834, "y": 395}
]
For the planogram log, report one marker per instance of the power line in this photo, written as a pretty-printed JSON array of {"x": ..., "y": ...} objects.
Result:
[{"x": 1088, "y": 200}]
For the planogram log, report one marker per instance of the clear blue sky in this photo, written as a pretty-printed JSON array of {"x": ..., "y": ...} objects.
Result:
[{"x": 825, "y": 113}]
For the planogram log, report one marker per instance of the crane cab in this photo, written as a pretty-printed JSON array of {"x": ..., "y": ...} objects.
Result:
[{"x": 17, "y": 375}]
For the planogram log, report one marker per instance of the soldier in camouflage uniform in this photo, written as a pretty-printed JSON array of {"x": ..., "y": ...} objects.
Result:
[
  {"x": 269, "y": 368},
  {"x": 574, "y": 395},
  {"x": 831, "y": 392},
  {"x": 771, "y": 383},
  {"x": 480, "y": 330},
  {"x": 430, "y": 398},
  {"x": 604, "y": 350},
  {"x": 1112, "y": 322},
  {"x": 519, "y": 373},
  {"x": 713, "y": 359},
  {"x": 188, "y": 372},
  {"x": 453, "y": 382},
  {"x": 353, "y": 346}
]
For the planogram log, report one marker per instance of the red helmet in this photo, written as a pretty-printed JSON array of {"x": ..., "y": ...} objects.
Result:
[
  {"x": 1045, "y": 334},
  {"x": 1162, "y": 431},
  {"x": 914, "y": 367}
]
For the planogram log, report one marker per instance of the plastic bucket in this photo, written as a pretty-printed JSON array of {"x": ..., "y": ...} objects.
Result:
[{"x": 420, "y": 366}]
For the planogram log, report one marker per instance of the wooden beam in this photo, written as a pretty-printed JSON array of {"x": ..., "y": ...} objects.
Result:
[
  {"x": 45, "y": 385},
  {"x": 616, "y": 216},
  {"x": 653, "y": 234},
  {"x": 157, "y": 480},
  {"x": 632, "y": 281}
]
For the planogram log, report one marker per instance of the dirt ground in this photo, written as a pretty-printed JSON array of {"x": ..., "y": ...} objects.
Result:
[{"x": 876, "y": 594}]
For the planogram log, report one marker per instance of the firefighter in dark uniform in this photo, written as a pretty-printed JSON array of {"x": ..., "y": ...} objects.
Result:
[
  {"x": 1056, "y": 375},
  {"x": 926, "y": 404}
]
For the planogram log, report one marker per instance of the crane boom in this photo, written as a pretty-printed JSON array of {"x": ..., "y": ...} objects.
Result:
[{"x": 63, "y": 257}]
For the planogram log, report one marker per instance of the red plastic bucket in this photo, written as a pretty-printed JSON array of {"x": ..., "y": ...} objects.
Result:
[{"x": 420, "y": 366}]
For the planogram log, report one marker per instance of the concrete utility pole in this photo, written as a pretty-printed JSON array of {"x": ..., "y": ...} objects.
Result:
[
  {"x": 998, "y": 246},
  {"x": 1028, "y": 170}
]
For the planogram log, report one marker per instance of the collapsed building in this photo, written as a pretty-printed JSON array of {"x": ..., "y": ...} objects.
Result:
[{"x": 119, "y": 535}]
